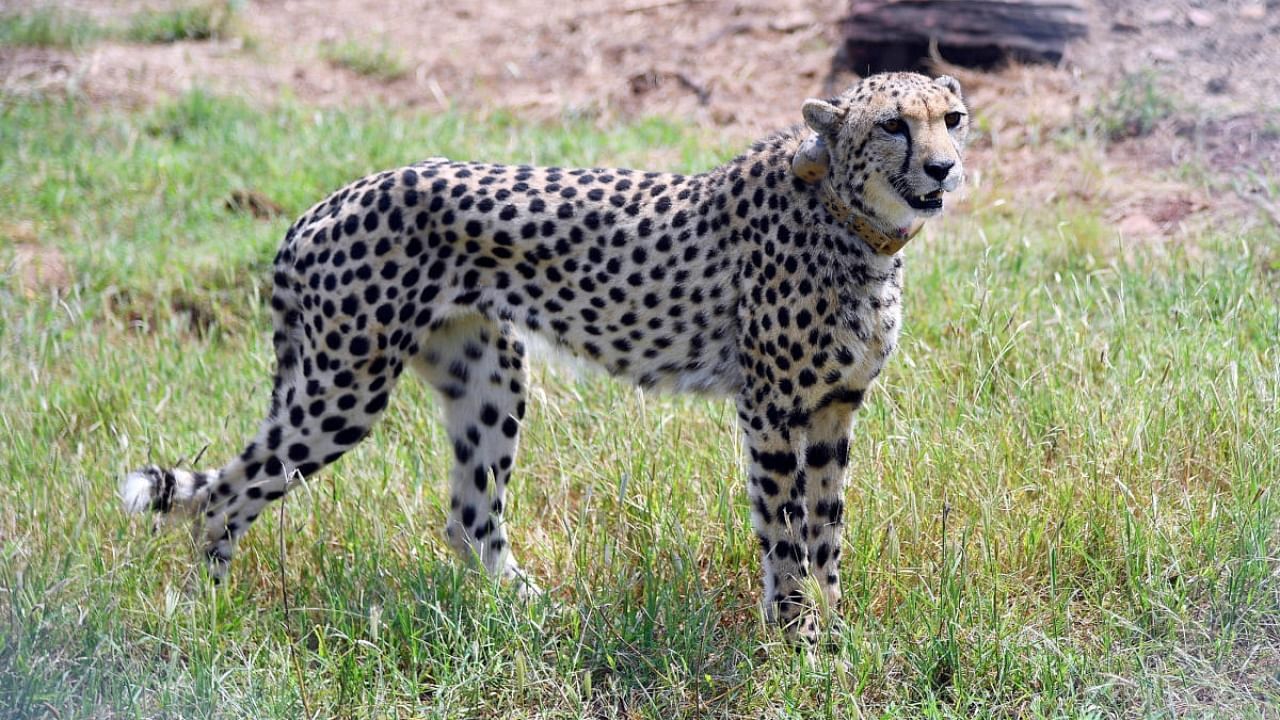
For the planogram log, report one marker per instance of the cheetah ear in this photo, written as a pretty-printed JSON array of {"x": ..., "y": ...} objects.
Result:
[
  {"x": 949, "y": 83},
  {"x": 812, "y": 159},
  {"x": 821, "y": 116}
]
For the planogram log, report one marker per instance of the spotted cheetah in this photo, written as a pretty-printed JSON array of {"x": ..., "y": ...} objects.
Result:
[{"x": 775, "y": 279}]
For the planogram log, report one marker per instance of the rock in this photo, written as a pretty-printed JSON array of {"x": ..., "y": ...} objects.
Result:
[
  {"x": 881, "y": 36},
  {"x": 1253, "y": 11},
  {"x": 1200, "y": 18}
]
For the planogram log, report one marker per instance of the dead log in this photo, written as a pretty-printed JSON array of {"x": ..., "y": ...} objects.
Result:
[{"x": 883, "y": 35}]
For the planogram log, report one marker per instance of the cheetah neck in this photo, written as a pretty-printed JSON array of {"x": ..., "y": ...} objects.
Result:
[{"x": 883, "y": 243}]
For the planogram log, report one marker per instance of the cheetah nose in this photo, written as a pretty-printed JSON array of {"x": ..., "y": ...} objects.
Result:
[{"x": 938, "y": 169}]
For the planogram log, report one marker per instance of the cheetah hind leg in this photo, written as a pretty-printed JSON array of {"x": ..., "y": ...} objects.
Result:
[
  {"x": 478, "y": 367},
  {"x": 317, "y": 414}
]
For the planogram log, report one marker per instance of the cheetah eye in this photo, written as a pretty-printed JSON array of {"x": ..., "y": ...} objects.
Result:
[
  {"x": 952, "y": 118},
  {"x": 894, "y": 126}
]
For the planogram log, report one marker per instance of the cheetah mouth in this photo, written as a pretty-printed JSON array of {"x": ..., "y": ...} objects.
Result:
[{"x": 928, "y": 201}]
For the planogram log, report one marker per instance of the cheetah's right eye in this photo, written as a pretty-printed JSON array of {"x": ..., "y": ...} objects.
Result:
[{"x": 894, "y": 126}]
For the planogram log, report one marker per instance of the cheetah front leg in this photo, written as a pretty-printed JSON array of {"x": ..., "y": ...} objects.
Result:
[
  {"x": 776, "y": 485},
  {"x": 826, "y": 465}
]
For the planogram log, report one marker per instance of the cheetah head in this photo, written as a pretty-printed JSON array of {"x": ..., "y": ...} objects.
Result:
[{"x": 889, "y": 147}]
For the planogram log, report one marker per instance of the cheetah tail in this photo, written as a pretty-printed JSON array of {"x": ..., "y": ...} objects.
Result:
[{"x": 160, "y": 490}]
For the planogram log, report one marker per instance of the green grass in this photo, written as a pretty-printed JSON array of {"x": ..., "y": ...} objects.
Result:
[
  {"x": 379, "y": 62},
  {"x": 48, "y": 27},
  {"x": 201, "y": 21},
  {"x": 1133, "y": 108},
  {"x": 62, "y": 28},
  {"x": 1061, "y": 504}
]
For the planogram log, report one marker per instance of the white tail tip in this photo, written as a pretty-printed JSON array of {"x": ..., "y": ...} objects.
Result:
[{"x": 135, "y": 491}]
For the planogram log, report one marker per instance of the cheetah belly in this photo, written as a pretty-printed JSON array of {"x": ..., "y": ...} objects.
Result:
[{"x": 666, "y": 355}]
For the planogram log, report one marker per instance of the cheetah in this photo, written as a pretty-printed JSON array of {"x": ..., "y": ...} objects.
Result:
[{"x": 775, "y": 279}]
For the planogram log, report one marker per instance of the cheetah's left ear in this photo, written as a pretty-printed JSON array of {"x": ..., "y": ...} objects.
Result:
[
  {"x": 821, "y": 116},
  {"x": 949, "y": 83},
  {"x": 812, "y": 159}
]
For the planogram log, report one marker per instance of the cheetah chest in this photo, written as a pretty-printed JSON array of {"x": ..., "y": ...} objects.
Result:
[{"x": 866, "y": 333}]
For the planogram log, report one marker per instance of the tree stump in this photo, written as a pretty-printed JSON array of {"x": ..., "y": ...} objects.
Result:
[{"x": 885, "y": 35}]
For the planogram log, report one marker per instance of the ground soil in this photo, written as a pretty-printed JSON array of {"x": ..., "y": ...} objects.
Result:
[{"x": 744, "y": 67}]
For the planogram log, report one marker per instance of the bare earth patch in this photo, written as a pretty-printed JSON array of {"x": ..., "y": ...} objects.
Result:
[
  {"x": 34, "y": 268},
  {"x": 746, "y": 65}
]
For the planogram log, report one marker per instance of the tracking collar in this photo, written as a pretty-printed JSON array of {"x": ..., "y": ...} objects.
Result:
[{"x": 882, "y": 243}]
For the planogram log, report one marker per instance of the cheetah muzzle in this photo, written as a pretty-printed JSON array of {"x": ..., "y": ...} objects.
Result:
[{"x": 775, "y": 279}]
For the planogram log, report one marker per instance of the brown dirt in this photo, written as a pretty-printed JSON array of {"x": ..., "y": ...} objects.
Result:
[
  {"x": 743, "y": 66},
  {"x": 740, "y": 64},
  {"x": 1218, "y": 56},
  {"x": 34, "y": 268}
]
